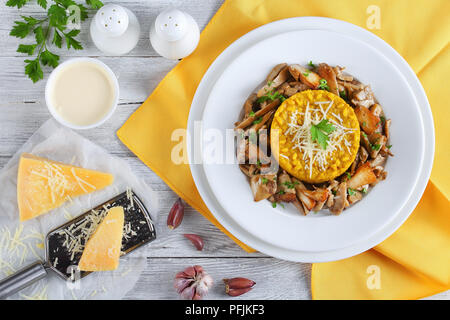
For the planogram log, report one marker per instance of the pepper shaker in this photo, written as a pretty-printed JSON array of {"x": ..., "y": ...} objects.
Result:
[
  {"x": 174, "y": 34},
  {"x": 115, "y": 29}
]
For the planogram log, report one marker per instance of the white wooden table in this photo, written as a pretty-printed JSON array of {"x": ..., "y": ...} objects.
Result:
[{"x": 23, "y": 111}]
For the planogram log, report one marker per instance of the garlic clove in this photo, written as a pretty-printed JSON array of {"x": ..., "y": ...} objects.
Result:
[
  {"x": 196, "y": 240},
  {"x": 237, "y": 286},
  {"x": 238, "y": 292},
  {"x": 176, "y": 214}
]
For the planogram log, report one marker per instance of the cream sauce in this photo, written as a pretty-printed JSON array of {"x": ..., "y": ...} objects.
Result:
[{"x": 82, "y": 93}]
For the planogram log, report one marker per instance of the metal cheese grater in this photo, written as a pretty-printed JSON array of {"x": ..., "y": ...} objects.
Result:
[{"x": 138, "y": 231}]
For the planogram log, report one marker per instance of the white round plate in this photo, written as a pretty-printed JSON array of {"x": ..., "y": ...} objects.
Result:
[
  {"x": 286, "y": 228},
  {"x": 297, "y": 248}
]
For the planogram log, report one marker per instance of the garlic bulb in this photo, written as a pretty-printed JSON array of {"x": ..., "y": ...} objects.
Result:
[{"x": 193, "y": 283}]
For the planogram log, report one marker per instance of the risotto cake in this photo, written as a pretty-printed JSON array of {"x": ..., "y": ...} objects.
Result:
[{"x": 315, "y": 135}]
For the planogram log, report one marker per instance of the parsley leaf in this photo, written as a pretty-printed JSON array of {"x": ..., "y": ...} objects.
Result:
[
  {"x": 42, "y": 3},
  {"x": 351, "y": 192},
  {"x": 320, "y": 131},
  {"x": 323, "y": 85},
  {"x": 312, "y": 65},
  {"x": 57, "y": 39},
  {"x": 65, "y": 3},
  {"x": 16, "y": 3},
  {"x": 57, "y": 16},
  {"x": 50, "y": 59},
  {"x": 274, "y": 204},
  {"x": 71, "y": 41},
  {"x": 21, "y": 29},
  {"x": 33, "y": 70},
  {"x": 95, "y": 4},
  {"x": 39, "y": 35},
  {"x": 264, "y": 180},
  {"x": 26, "y": 48}
]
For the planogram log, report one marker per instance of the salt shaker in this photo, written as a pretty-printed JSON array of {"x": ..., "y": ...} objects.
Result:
[
  {"x": 115, "y": 30},
  {"x": 174, "y": 34}
]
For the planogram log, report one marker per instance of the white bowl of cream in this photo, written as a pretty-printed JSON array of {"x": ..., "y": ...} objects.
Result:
[{"x": 82, "y": 93}]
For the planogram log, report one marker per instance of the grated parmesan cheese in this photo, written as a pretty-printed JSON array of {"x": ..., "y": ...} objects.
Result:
[{"x": 302, "y": 140}]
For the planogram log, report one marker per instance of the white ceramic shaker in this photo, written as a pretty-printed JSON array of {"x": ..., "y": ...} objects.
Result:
[
  {"x": 115, "y": 30},
  {"x": 174, "y": 34}
]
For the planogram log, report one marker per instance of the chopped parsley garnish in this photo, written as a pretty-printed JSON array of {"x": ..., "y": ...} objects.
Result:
[
  {"x": 312, "y": 65},
  {"x": 334, "y": 192},
  {"x": 264, "y": 180},
  {"x": 274, "y": 204},
  {"x": 389, "y": 146},
  {"x": 270, "y": 83},
  {"x": 343, "y": 95},
  {"x": 282, "y": 205},
  {"x": 290, "y": 185},
  {"x": 281, "y": 192},
  {"x": 351, "y": 192},
  {"x": 258, "y": 163},
  {"x": 306, "y": 74},
  {"x": 376, "y": 146},
  {"x": 251, "y": 113},
  {"x": 271, "y": 96},
  {"x": 320, "y": 132},
  {"x": 323, "y": 85},
  {"x": 348, "y": 175},
  {"x": 258, "y": 120},
  {"x": 383, "y": 119},
  {"x": 364, "y": 190}
]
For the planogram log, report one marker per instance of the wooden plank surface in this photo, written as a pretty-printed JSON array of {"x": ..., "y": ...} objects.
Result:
[{"x": 23, "y": 111}]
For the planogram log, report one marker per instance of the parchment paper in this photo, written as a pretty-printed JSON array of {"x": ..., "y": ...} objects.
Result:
[{"x": 58, "y": 143}]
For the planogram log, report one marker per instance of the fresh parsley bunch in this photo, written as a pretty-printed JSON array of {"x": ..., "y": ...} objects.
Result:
[{"x": 55, "y": 23}]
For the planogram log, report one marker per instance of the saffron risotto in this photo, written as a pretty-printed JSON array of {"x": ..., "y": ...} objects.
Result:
[{"x": 292, "y": 142}]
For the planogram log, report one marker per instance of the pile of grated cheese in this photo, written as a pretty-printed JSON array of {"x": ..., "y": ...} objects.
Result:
[
  {"x": 301, "y": 134},
  {"x": 15, "y": 247}
]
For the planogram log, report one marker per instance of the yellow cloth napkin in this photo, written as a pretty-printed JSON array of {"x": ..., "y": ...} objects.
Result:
[{"x": 412, "y": 263}]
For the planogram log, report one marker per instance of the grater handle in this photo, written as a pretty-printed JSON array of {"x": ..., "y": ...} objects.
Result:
[{"x": 22, "y": 279}]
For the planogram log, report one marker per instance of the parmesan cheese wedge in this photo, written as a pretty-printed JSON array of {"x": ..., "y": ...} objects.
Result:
[
  {"x": 43, "y": 185},
  {"x": 102, "y": 250}
]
